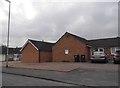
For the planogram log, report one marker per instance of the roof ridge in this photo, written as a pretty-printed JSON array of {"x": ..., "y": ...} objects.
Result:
[
  {"x": 40, "y": 41},
  {"x": 104, "y": 38},
  {"x": 75, "y": 35}
]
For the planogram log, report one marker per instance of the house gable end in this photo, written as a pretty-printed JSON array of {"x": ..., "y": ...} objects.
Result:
[
  {"x": 73, "y": 36},
  {"x": 28, "y": 42}
]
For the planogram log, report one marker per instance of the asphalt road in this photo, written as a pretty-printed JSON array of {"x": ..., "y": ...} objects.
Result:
[
  {"x": 79, "y": 76},
  {"x": 16, "y": 80}
]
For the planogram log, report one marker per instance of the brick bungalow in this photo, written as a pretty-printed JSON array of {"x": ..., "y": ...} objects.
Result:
[
  {"x": 36, "y": 51},
  {"x": 70, "y": 48},
  {"x": 108, "y": 45}
]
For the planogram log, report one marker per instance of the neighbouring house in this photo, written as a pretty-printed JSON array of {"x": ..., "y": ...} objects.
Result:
[
  {"x": 13, "y": 53},
  {"x": 17, "y": 53},
  {"x": 107, "y": 45},
  {"x": 71, "y": 48},
  {"x": 36, "y": 51}
]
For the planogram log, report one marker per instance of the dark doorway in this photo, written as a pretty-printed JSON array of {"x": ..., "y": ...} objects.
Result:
[{"x": 76, "y": 58}]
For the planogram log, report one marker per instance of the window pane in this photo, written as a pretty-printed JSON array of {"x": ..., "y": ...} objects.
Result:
[
  {"x": 113, "y": 50},
  {"x": 117, "y": 49},
  {"x": 66, "y": 51},
  {"x": 101, "y": 50}
]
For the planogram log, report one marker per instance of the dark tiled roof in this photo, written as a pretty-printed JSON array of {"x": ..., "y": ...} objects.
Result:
[
  {"x": 107, "y": 42},
  {"x": 42, "y": 46}
]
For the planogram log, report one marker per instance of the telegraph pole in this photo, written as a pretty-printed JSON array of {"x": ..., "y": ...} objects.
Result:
[{"x": 8, "y": 33}]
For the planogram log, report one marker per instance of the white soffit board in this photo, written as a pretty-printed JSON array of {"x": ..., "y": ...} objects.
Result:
[{"x": 33, "y": 45}]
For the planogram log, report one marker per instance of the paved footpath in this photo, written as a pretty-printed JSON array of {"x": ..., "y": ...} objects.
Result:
[
  {"x": 65, "y": 67},
  {"x": 82, "y": 77}
]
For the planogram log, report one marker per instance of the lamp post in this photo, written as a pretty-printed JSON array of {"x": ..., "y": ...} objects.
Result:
[{"x": 8, "y": 33}]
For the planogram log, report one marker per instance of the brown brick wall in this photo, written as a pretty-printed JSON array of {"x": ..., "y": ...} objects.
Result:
[
  {"x": 30, "y": 54},
  {"x": 73, "y": 45},
  {"x": 45, "y": 56},
  {"x": 108, "y": 53}
]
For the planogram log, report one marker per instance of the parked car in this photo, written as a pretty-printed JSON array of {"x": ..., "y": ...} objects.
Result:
[
  {"x": 116, "y": 57},
  {"x": 99, "y": 57}
]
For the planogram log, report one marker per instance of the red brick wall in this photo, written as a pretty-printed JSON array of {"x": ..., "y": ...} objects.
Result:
[
  {"x": 30, "y": 54},
  {"x": 73, "y": 45},
  {"x": 45, "y": 56}
]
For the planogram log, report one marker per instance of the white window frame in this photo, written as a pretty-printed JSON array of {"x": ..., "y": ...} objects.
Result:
[
  {"x": 115, "y": 49},
  {"x": 66, "y": 51}
]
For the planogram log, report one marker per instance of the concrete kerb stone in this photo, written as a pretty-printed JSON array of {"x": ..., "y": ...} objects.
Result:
[
  {"x": 45, "y": 69},
  {"x": 36, "y": 67}
]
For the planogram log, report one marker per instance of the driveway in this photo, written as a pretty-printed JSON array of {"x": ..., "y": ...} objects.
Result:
[{"x": 64, "y": 66}]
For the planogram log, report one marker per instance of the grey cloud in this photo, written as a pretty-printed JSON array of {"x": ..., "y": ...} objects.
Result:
[{"x": 88, "y": 20}]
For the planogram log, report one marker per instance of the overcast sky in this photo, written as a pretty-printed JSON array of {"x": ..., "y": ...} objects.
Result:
[{"x": 48, "y": 20}]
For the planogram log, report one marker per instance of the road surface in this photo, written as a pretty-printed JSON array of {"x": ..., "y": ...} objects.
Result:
[
  {"x": 16, "y": 80},
  {"x": 87, "y": 77}
]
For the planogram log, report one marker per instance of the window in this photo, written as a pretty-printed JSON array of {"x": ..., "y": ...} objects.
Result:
[
  {"x": 117, "y": 48},
  {"x": 114, "y": 49},
  {"x": 66, "y": 51}
]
